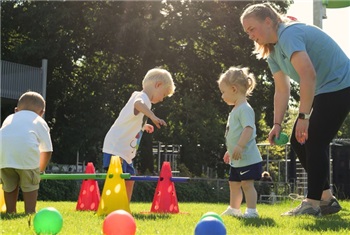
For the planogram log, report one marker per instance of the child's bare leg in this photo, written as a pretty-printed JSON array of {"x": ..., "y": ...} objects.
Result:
[
  {"x": 129, "y": 184},
  {"x": 236, "y": 195},
  {"x": 11, "y": 200},
  {"x": 250, "y": 193},
  {"x": 30, "y": 199}
]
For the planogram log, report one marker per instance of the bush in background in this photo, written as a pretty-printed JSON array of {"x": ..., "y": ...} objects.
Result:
[{"x": 59, "y": 190}]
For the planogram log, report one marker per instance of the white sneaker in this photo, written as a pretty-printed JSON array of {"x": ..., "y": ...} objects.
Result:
[
  {"x": 305, "y": 208},
  {"x": 250, "y": 215},
  {"x": 232, "y": 212}
]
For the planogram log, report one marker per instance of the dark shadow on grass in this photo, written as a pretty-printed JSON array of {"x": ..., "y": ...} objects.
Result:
[
  {"x": 150, "y": 216},
  {"x": 5, "y": 216},
  {"x": 329, "y": 223},
  {"x": 258, "y": 222}
]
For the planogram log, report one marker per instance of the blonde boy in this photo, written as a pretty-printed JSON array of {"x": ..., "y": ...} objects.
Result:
[
  {"x": 26, "y": 149},
  {"x": 124, "y": 136}
]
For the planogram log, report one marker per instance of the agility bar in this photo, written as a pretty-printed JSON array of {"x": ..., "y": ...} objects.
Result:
[
  {"x": 125, "y": 176},
  {"x": 80, "y": 176}
]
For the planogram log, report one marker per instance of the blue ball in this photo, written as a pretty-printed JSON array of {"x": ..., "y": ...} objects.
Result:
[{"x": 209, "y": 226}]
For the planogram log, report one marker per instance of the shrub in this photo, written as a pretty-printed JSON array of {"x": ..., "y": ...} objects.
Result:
[{"x": 59, "y": 190}]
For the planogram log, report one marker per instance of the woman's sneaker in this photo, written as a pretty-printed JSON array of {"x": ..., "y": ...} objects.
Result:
[
  {"x": 305, "y": 208},
  {"x": 232, "y": 212},
  {"x": 330, "y": 207}
]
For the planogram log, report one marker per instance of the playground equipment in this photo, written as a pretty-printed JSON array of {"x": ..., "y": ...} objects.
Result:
[
  {"x": 89, "y": 196},
  {"x": 114, "y": 196},
  {"x": 119, "y": 222},
  {"x": 48, "y": 221},
  {"x": 2, "y": 200},
  {"x": 102, "y": 176}
]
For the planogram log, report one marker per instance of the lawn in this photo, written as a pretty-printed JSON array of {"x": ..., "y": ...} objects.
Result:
[{"x": 270, "y": 221}]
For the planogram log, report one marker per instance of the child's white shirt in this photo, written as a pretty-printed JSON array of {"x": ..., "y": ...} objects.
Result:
[
  {"x": 23, "y": 136},
  {"x": 124, "y": 137}
]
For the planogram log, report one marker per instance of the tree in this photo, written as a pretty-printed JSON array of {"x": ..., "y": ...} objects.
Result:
[{"x": 99, "y": 52}]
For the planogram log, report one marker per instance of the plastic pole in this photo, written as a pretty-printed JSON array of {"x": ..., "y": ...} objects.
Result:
[{"x": 125, "y": 176}]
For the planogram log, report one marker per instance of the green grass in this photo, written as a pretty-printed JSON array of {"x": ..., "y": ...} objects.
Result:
[{"x": 270, "y": 221}]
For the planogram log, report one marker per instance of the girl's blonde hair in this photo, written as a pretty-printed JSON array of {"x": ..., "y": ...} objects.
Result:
[
  {"x": 159, "y": 75},
  {"x": 239, "y": 77},
  {"x": 261, "y": 12}
]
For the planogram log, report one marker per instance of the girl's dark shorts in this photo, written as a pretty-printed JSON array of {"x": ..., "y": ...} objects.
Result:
[{"x": 251, "y": 172}]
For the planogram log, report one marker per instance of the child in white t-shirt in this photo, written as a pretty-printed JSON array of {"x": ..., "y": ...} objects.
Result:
[
  {"x": 124, "y": 136},
  {"x": 26, "y": 150}
]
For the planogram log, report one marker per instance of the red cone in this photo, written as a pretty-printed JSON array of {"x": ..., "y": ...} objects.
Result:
[
  {"x": 89, "y": 196},
  {"x": 165, "y": 200}
]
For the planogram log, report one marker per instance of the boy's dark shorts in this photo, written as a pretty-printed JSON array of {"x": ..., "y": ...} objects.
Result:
[
  {"x": 127, "y": 168},
  {"x": 251, "y": 172}
]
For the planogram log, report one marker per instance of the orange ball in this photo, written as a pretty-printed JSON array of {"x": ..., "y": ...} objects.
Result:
[{"x": 119, "y": 222}]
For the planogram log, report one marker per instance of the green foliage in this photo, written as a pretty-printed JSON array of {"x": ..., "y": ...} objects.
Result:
[
  {"x": 59, "y": 190},
  {"x": 144, "y": 191},
  {"x": 193, "y": 191},
  {"x": 344, "y": 132},
  {"x": 99, "y": 52},
  {"x": 196, "y": 190}
]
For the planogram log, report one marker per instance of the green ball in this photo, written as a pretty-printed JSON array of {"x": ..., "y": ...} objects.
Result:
[
  {"x": 212, "y": 214},
  {"x": 48, "y": 221},
  {"x": 283, "y": 139}
]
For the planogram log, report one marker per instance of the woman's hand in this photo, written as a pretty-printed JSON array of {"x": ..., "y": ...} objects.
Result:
[
  {"x": 274, "y": 133},
  {"x": 301, "y": 130}
]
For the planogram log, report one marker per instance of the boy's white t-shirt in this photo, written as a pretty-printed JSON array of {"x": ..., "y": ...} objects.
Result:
[
  {"x": 124, "y": 137},
  {"x": 23, "y": 136}
]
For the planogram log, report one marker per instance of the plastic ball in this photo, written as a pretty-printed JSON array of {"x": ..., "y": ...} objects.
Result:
[
  {"x": 212, "y": 214},
  {"x": 283, "y": 139},
  {"x": 48, "y": 221},
  {"x": 209, "y": 226},
  {"x": 119, "y": 222}
]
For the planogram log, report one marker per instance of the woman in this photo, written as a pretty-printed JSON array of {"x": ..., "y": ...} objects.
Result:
[{"x": 310, "y": 57}]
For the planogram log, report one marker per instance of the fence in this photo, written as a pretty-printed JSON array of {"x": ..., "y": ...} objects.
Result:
[{"x": 18, "y": 78}]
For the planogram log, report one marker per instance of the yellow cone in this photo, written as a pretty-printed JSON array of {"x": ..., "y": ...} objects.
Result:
[
  {"x": 2, "y": 200},
  {"x": 114, "y": 196}
]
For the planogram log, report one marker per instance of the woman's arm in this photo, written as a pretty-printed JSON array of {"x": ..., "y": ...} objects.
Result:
[
  {"x": 281, "y": 98},
  {"x": 306, "y": 71}
]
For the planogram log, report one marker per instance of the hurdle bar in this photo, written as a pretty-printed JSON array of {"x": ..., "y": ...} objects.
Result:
[{"x": 125, "y": 176}]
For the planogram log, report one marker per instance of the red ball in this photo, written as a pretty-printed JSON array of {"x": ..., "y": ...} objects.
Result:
[{"x": 119, "y": 222}]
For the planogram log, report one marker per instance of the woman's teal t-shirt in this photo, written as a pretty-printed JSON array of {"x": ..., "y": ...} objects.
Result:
[{"x": 331, "y": 64}]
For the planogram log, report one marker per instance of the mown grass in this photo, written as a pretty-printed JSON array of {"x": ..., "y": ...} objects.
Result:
[{"x": 270, "y": 221}]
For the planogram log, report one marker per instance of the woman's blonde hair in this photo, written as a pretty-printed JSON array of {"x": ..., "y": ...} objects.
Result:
[
  {"x": 239, "y": 77},
  {"x": 261, "y": 12}
]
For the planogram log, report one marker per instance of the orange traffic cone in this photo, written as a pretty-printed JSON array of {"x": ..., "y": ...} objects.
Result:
[
  {"x": 165, "y": 200},
  {"x": 89, "y": 196}
]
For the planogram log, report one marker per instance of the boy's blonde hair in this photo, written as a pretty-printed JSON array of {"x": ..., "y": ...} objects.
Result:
[
  {"x": 159, "y": 75},
  {"x": 239, "y": 77},
  {"x": 261, "y": 12},
  {"x": 32, "y": 101}
]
